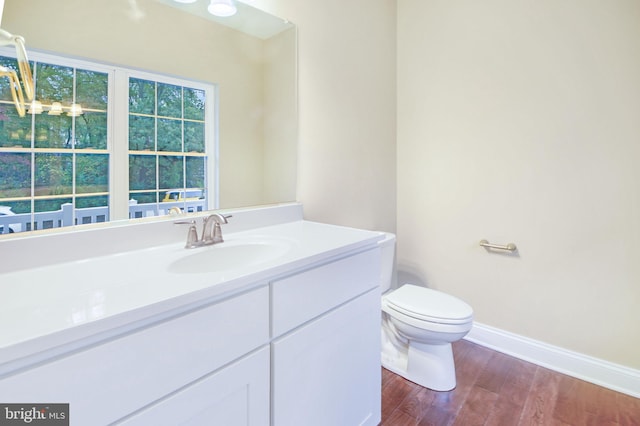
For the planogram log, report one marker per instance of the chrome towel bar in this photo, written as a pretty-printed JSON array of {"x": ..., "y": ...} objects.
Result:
[{"x": 509, "y": 247}]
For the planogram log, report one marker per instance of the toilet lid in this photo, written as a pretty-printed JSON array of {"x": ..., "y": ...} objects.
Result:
[{"x": 429, "y": 305}]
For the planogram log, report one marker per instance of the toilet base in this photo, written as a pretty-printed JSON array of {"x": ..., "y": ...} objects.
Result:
[
  {"x": 431, "y": 366},
  {"x": 428, "y": 365}
]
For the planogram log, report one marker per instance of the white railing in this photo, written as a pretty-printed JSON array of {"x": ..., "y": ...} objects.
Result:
[{"x": 68, "y": 216}]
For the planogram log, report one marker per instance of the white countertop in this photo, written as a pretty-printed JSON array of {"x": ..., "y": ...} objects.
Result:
[{"x": 58, "y": 308}]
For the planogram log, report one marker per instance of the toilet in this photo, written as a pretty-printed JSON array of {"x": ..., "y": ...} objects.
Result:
[{"x": 418, "y": 326}]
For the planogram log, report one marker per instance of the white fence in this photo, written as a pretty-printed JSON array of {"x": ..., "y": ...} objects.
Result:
[{"x": 68, "y": 216}]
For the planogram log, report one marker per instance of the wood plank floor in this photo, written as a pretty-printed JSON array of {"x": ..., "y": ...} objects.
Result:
[{"x": 496, "y": 389}]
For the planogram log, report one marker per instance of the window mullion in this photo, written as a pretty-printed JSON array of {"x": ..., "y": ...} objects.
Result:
[{"x": 119, "y": 145}]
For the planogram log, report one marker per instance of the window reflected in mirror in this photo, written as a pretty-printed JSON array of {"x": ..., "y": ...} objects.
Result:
[{"x": 57, "y": 163}]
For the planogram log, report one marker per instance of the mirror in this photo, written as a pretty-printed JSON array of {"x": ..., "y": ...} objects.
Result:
[{"x": 251, "y": 60}]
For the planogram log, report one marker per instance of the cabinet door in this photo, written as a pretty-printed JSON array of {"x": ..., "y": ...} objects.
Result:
[
  {"x": 236, "y": 395},
  {"x": 328, "y": 372}
]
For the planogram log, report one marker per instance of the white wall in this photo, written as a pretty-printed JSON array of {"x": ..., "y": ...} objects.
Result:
[
  {"x": 347, "y": 104},
  {"x": 518, "y": 122},
  {"x": 280, "y": 131}
]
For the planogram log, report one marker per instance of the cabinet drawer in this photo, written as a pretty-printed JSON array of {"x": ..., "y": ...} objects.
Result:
[
  {"x": 302, "y": 297},
  {"x": 108, "y": 381}
]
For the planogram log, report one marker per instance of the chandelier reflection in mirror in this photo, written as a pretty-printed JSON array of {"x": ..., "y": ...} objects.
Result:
[
  {"x": 56, "y": 108},
  {"x": 18, "y": 91}
]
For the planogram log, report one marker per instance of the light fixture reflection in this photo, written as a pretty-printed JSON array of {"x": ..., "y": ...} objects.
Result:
[
  {"x": 222, "y": 8},
  {"x": 56, "y": 109},
  {"x": 75, "y": 110},
  {"x": 35, "y": 107},
  {"x": 16, "y": 88}
]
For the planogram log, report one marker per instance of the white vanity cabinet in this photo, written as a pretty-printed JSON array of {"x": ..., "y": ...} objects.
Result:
[
  {"x": 289, "y": 339},
  {"x": 326, "y": 354}
]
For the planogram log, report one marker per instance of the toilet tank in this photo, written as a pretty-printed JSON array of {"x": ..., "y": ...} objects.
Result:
[{"x": 388, "y": 261}]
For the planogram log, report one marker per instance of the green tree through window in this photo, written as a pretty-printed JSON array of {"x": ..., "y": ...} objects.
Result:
[{"x": 167, "y": 149}]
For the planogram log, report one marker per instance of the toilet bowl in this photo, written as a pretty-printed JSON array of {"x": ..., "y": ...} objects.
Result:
[{"x": 418, "y": 326}]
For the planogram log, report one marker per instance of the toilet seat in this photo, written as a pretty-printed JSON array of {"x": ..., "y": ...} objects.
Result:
[{"x": 429, "y": 305}]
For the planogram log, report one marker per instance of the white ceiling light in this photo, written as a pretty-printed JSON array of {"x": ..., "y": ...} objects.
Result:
[
  {"x": 222, "y": 8},
  {"x": 185, "y": 1}
]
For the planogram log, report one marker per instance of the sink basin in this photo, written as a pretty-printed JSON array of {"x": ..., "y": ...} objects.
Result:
[{"x": 229, "y": 255}]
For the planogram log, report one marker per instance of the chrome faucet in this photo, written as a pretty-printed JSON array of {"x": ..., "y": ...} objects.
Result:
[{"x": 211, "y": 231}]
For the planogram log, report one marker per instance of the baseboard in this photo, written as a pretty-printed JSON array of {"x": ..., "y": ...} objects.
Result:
[{"x": 590, "y": 369}]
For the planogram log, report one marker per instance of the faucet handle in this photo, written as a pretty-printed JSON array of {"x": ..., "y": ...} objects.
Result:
[
  {"x": 192, "y": 238},
  {"x": 185, "y": 222},
  {"x": 192, "y": 234},
  {"x": 216, "y": 235}
]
